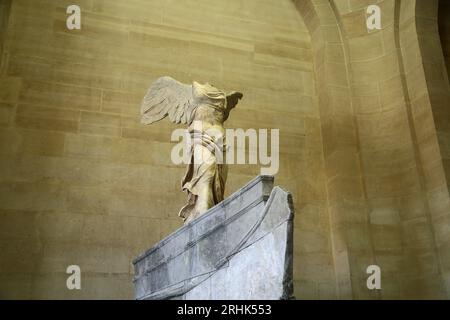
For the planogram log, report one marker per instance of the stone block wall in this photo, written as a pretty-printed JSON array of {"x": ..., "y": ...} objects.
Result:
[{"x": 393, "y": 202}]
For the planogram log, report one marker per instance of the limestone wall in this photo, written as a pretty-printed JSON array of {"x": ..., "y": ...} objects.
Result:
[
  {"x": 391, "y": 206},
  {"x": 82, "y": 182}
]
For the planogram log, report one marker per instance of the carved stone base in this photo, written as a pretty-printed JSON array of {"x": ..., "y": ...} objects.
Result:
[{"x": 240, "y": 249}]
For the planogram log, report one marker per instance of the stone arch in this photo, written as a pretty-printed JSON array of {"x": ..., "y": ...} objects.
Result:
[{"x": 383, "y": 161}]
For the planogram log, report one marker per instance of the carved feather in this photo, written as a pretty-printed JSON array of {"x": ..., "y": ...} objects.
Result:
[{"x": 168, "y": 97}]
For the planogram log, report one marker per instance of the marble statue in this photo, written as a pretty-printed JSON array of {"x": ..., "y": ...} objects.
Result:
[{"x": 204, "y": 109}]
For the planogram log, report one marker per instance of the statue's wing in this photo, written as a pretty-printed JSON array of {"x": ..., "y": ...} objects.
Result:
[
  {"x": 168, "y": 97},
  {"x": 233, "y": 98}
]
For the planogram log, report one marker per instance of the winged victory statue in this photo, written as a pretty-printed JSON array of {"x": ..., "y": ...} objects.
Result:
[{"x": 204, "y": 109}]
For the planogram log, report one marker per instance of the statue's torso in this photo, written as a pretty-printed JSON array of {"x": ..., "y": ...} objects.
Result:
[{"x": 210, "y": 118}]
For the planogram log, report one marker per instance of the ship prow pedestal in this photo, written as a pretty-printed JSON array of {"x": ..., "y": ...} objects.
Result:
[{"x": 242, "y": 248}]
